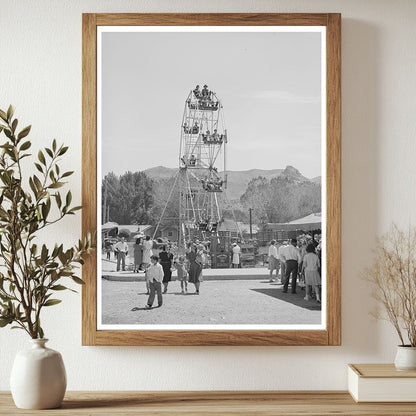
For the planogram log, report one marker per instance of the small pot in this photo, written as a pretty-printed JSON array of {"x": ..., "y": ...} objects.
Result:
[
  {"x": 405, "y": 358},
  {"x": 38, "y": 377}
]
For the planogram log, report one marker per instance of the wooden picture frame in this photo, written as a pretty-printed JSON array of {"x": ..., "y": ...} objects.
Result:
[{"x": 329, "y": 336}]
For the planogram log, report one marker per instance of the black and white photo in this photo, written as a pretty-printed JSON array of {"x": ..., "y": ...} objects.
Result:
[{"x": 211, "y": 177}]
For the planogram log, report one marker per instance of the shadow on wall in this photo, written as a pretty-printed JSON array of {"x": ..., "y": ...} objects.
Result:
[{"x": 360, "y": 180}]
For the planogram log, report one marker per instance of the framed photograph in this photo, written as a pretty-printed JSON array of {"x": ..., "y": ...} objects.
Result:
[{"x": 211, "y": 172}]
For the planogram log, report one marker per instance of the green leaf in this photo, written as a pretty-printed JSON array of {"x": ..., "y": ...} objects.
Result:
[
  {"x": 25, "y": 145},
  {"x": 51, "y": 302},
  {"x": 67, "y": 174},
  {"x": 3, "y": 115},
  {"x": 63, "y": 150},
  {"x": 56, "y": 185},
  {"x": 10, "y": 112},
  {"x": 34, "y": 249},
  {"x": 33, "y": 187},
  {"x": 14, "y": 125},
  {"x": 37, "y": 182},
  {"x": 24, "y": 132},
  {"x": 45, "y": 211},
  {"x": 8, "y": 133},
  {"x": 59, "y": 287},
  {"x": 68, "y": 198},
  {"x": 49, "y": 152},
  {"x": 5, "y": 321},
  {"x": 76, "y": 279},
  {"x": 77, "y": 208},
  {"x": 39, "y": 167},
  {"x": 40, "y": 332},
  {"x": 58, "y": 199},
  {"x": 41, "y": 157},
  {"x": 44, "y": 253},
  {"x": 54, "y": 145}
]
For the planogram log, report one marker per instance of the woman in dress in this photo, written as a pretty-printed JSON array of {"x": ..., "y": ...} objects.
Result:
[
  {"x": 147, "y": 250},
  {"x": 236, "y": 250},
  {"x": 166, "y": 262},
  {"x": 182, "y": 274},
  {"x": 195, "y": 268},
  {"x": 138, "y": 255},
  {"x": 310, "y": 266}
]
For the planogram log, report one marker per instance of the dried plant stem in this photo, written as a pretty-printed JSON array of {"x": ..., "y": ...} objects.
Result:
[{"x": 393, "y": 276}]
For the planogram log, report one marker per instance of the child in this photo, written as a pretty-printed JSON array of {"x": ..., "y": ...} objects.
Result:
[
  {"x": 182, "y": 273},
  {"x": 310, "y": 267},
  {"x": 154, "y": 276}
]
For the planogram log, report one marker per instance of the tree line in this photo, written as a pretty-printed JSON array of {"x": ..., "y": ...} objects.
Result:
[
  {"x": 281, "y": 199},
  {"x": 135, "y": 198}
]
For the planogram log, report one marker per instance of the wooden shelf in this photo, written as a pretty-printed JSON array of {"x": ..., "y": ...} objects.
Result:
[{"x": 318, "y": 403}]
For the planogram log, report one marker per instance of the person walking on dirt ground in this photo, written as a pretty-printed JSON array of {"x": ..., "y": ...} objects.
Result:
[
  {"x": 121, "y": 248},
  {"x": 154, "y": 276},
  {"x": 195, "y": 268},
  {"x": 282, "y": 262},
  {"x": 138, "y": 254},
  {"x": 273, "y": 260},
  {"x": 147, "y": 253},
  {"x": 292, "y": 257},
  {"x": 166, "y": 262},
  {"x": 182, "y": 273}
]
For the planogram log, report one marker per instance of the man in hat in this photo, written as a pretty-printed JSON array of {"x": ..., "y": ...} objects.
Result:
[
  {"x": 205, "y": 92},
  {"x": 121, "y": 248},
  {"x": 282, "y": 260},
  {"x": 292, "y": 258},
  {"x": 197, "y": 92}
]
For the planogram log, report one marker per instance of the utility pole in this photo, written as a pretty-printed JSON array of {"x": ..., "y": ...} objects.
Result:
[
  {"x": 105, "y": 202},
  {"x": 251, "y": 223}
]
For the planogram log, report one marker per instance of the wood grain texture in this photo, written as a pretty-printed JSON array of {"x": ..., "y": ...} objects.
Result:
[
  {"x": 333, "y": 179},
  {"x": 331, "y": 336},
  {"x": 212, "y": 19},
  {"x": 316, "y": 403},
  {"x": 89, "y": 172},
  {"x": 380, "y": 371}
]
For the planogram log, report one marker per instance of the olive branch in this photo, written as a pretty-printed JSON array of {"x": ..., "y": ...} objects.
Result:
[{"x": 30, "y": 273}]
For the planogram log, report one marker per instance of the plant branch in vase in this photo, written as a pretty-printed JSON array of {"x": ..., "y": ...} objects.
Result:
[
  {"x": 393, "y": 277},
  {"x": 31, "y": 272}
]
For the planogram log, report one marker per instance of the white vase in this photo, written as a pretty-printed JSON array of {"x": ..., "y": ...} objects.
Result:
[
  {"x": 405, "y": 358},
  {"x": 38, "y": 378}
]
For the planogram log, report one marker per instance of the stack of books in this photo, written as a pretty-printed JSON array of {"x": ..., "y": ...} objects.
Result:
[{"x": 381, "y": 383}]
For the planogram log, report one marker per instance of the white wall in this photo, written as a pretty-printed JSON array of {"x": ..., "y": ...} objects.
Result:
[{"x": 40, "y": 73}]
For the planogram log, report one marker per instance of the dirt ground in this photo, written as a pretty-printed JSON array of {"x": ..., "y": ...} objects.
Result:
[{"x": 222, "y": 302}]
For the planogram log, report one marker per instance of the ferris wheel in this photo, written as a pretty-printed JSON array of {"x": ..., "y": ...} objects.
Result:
[
  {"x": 201, "y": 179},
  {"x": 202, "y": 163}
]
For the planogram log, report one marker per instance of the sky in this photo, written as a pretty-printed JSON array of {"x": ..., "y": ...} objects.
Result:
[{"x": 269, "y": 84}]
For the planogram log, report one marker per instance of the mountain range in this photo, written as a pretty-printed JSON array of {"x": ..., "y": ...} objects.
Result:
[{"x": 237, "y": 181}]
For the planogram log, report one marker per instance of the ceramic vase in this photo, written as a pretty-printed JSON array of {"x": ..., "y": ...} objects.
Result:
[
  {"x": 38, "y": 378},
  {"x": 405, "y": 358}
]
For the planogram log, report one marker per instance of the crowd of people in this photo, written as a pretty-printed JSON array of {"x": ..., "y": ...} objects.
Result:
[
  {"x": 158, "y": 268},
  {"x": 298, "y": 262}
]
